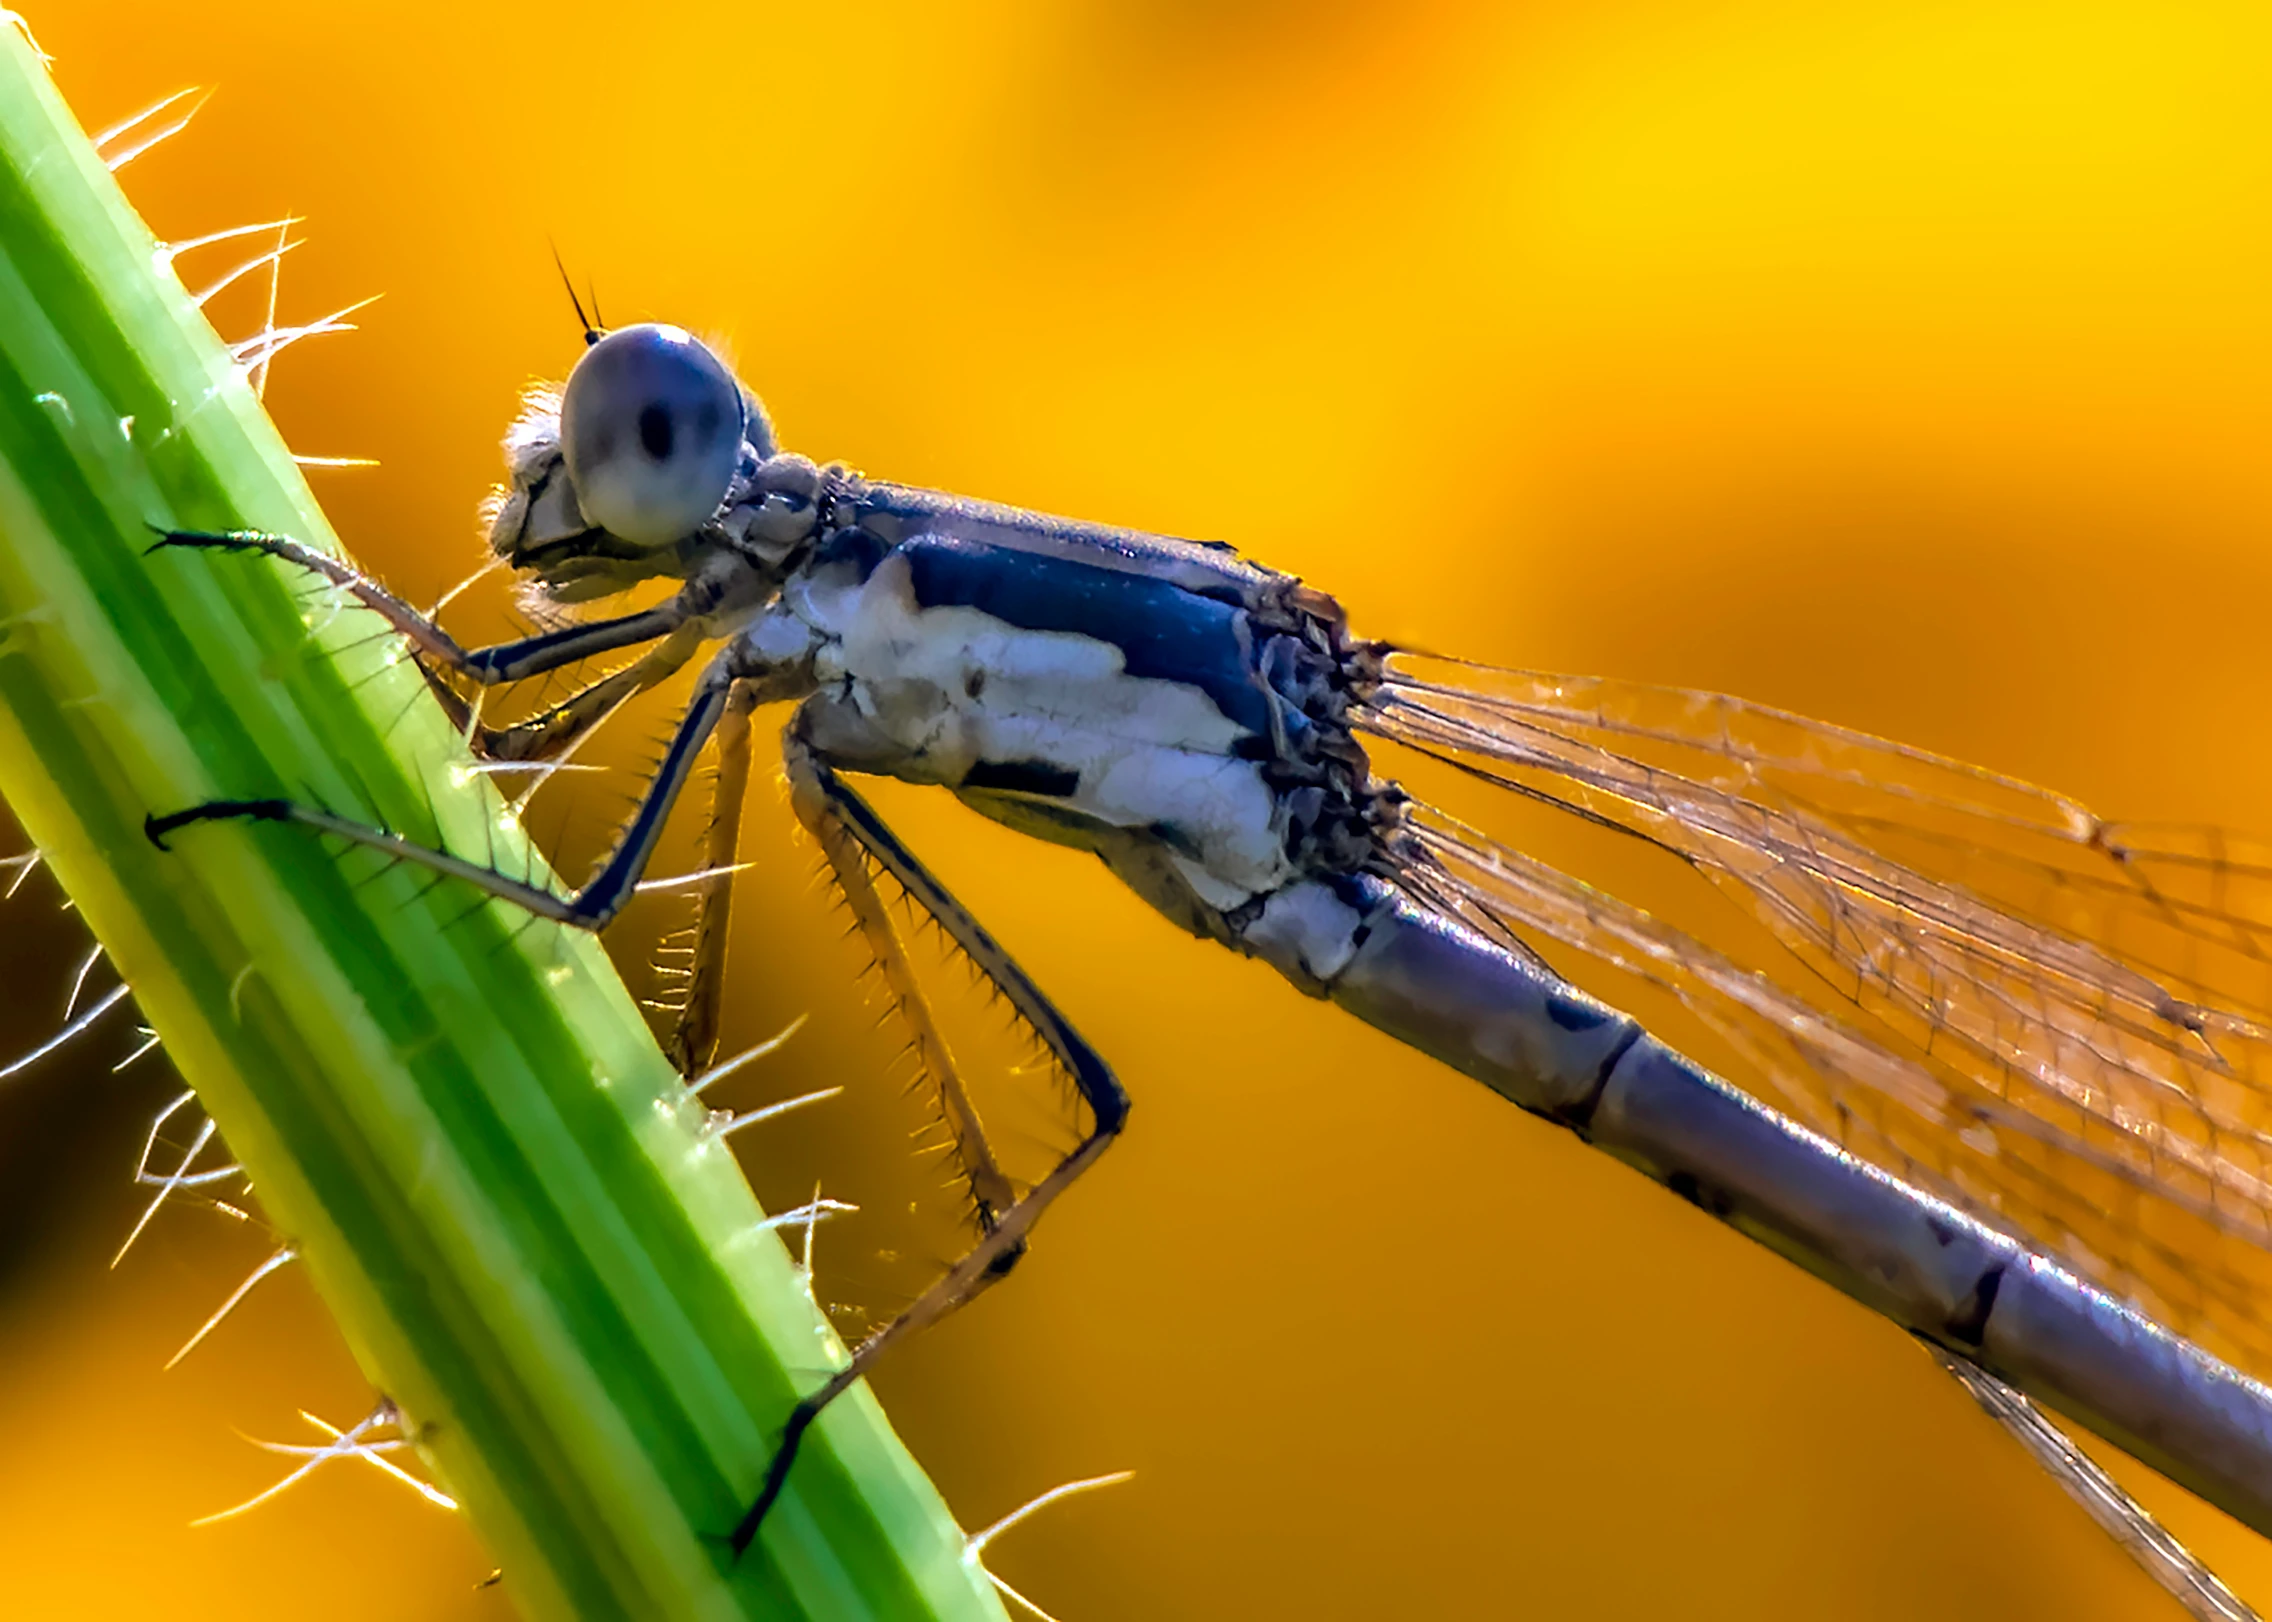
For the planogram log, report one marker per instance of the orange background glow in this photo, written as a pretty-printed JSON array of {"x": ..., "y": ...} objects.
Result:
[{"x": 1905, "y": 364}]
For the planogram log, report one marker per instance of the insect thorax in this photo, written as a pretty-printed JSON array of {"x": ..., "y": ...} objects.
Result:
[{"x": 1177, "y": 712}]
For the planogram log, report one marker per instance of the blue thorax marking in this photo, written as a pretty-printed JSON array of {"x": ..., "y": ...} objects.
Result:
[
  {"x": 897, "y": 512},
  {"x": 1162, "y": 630}
]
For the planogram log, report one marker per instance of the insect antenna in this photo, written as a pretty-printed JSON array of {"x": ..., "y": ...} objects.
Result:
[{"x": 593, "y": 331}]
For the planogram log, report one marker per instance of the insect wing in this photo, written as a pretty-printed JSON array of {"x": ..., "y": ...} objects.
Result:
[{"x": 1983, "y": 989}]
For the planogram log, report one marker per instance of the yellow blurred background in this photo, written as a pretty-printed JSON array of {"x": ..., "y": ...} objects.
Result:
[{"x": 1905, "y": 364}]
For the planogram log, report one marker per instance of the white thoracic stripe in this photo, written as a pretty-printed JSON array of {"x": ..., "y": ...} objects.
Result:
[{"x": 944, "y": 689}]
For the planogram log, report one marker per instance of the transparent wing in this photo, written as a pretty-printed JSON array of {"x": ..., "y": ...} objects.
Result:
[{"x": 2055, "y": 1022}]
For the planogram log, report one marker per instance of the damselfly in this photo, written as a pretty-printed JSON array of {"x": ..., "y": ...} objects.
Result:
[{"x": 2014, "y": 1095}]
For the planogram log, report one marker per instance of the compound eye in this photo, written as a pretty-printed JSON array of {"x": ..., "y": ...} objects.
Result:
[{"x": 651, "y": 427}]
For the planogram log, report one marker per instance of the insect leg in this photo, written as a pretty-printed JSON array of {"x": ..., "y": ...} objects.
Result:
[
  {"x": 694, "y": 1038},
  {"x": 812, "y": 796},
  {"x": 589, "y": 908},
  {"x": 822, "y": 799},
  {"x": 507, "y": 661},
  {"x": 541, "y": 737}
]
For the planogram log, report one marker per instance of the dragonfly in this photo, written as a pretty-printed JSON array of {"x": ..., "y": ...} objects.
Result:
[{"x": 2011, "y": 1085}]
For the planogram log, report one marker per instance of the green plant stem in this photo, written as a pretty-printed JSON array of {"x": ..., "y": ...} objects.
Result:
[{"x": 462, "y": 1123}]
